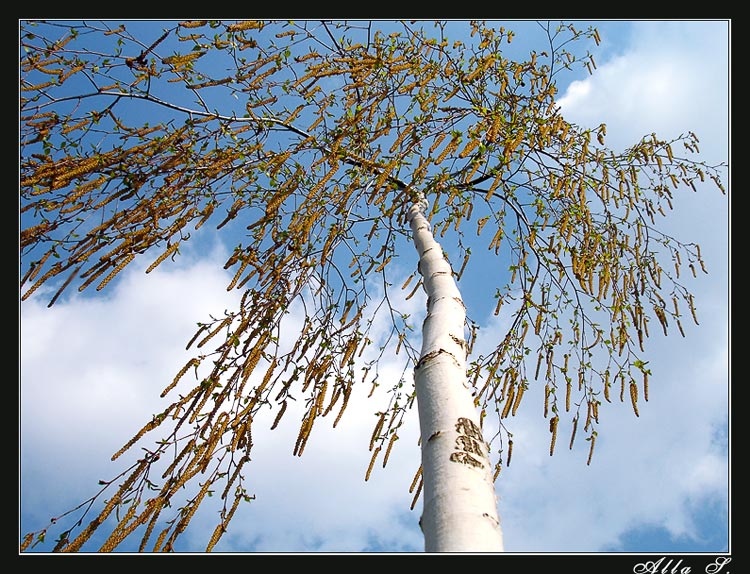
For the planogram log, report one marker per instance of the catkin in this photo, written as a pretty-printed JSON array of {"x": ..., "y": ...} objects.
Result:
[
  {"x": 510, "y": 452},
  {"x": 57, "y": 268},
  {"x": 591, "y": 449},
  {"x": 222, "y": 527},
  {"x": 634, "y": 397},
  {"x": 417, "y": 477},
  {"x": 416, "y": 495},
  {"x": 347, "y": 392},
  {"x": 190, "y": 363},
  {"x": 508, "y": 401},
  {"x": 517, "y": 400},
  {"x": 279, "y": 415},
  {"x": 470, "y": 146},
  {"x": 394, "y": 438},
  {"x": 606, "y": 386},
  {"x": 221, "y": 325},
  {"x": 122, "y": 531},
  {"x": 304, "y": 432},
  {"x": 376, "y": 431},
  {"x": 573, "y": 434},
  {"x": 75, "y": 545},
  {"x": 171, "y": 249},
  {"x": 115, "y": 271},
  {"x": 553, "y": 429},
  {"x": 372, "y": 463},
  {"x": 438, "y": 140}
]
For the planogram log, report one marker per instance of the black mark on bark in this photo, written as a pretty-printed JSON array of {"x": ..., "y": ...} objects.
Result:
[{"x": 468, "y": 443}]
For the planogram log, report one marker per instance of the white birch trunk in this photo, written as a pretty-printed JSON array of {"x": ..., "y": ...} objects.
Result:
[{"x": 460, "y": 505}]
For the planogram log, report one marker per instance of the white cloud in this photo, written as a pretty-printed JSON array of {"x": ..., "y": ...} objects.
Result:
[{"x": 672, "y": 77}]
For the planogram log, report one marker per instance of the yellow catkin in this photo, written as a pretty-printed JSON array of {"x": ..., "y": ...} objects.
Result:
[
  {"x": 279, "y": 415},
  {"x": 269, "y": 372},
  {"x": 591, "y": 449},
  {"x": 517, "y": 400},
  {"x": 156, "y": 505},
  {"x": 218, "y": 328},
  {"x": 347, "y": 392},
  {"x": 241, "y": 431},
  {"x": 417, "y": 476},
  {"x": 470, "y": 146},
  {"x": 416, "y": 495},
  {"x": 414, "y": 291},
  {"x": 334, "y": 399},
  {"x": 372, "y": 463},
  {"x": 304, "y": 432},
  {"x": 538, "y": 323},
  {"x": 634, "y": 397},
  {"x": 190, "y": 363},
  {"x": 495, "y": 243},
  {"x": 481, "y": 222},
  {"x": 57, "y": 268},
  {"x": 606, "y": 386},
  {"x": 115, "y": 271},
  {"x": 123, "y": 529},
  {"x": 376, "y": 431},
  {"x": 394, "y": 438},
  {"x": 452, "y": 145},
  {"x": 246, "y": 25},
  {"x": 438, "y": 140},
  {"x": 35, "y": 268},
  {"x": 573, "y": 434},
  {"x": 553, "y": 429},
  {"x": 508, "y": 401},
  {"x": 510, "y": 452},
  {"x": 171, "y": 249},
  {"x": 252, "y": 361},
  {"x": 26, "y": 541},
  {"x": 497, "y": 307},
  {"x": 160, "y": 539},
  {"x": 195, "y": 337},
  {"x": 75, "y": 545},
  {"x": 498, "y": 470},
  {"x": 539, "y": 359},
  {"x": 180, "y": 59},
  {"x": 692, "y": 309},
  {"x": 186, "y": 516},
  {"x": 222, "y": 527},
  {"x": 320, "y": 397}
]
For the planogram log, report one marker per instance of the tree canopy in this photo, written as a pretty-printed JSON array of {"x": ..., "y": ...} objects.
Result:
[{"x": 306, "y": 143}]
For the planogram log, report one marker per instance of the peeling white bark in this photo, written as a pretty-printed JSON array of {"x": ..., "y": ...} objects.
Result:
[{"x": 460, "y": 505}]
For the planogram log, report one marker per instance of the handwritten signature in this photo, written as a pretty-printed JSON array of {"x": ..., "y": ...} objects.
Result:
[{"x": 664, "y": 566}]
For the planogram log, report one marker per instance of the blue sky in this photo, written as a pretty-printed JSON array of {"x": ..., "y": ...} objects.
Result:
[{"x": 92, "y": 368}]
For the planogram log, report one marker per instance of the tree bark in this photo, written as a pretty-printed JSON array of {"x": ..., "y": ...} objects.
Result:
[{"x": 460, "y": 505}]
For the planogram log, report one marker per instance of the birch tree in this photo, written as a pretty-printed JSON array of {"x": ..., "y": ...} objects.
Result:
[{"x": 321, "y": 150}]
